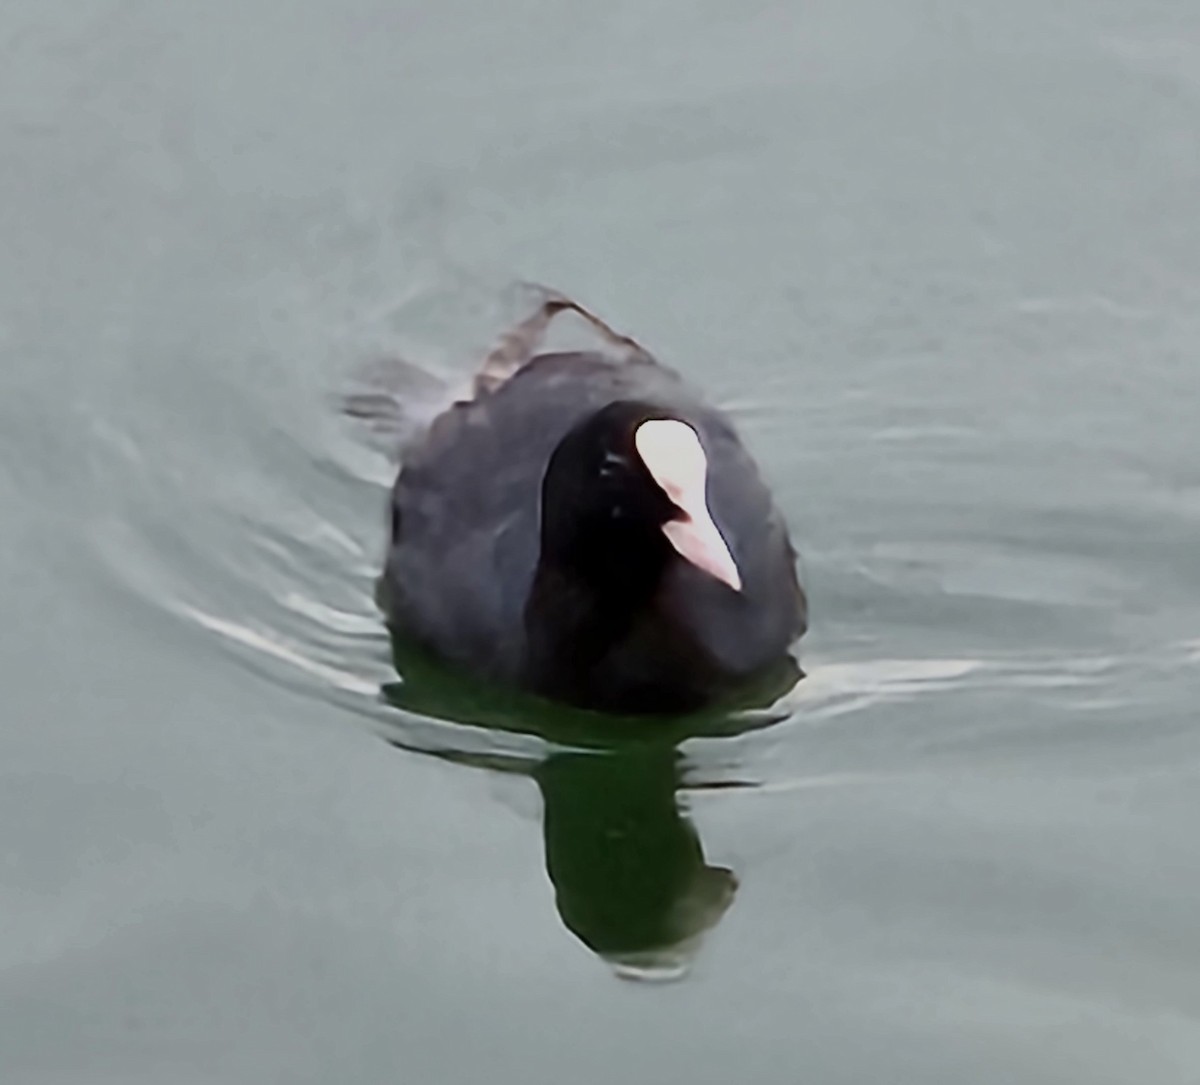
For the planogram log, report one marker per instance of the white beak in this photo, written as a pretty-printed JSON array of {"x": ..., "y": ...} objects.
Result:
[
  {"x": 674, "y": 457},
  {"x": 700, "y": 542}
]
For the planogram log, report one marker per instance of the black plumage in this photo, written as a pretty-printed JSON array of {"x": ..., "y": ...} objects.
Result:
[{"x": 527, "y": 541}]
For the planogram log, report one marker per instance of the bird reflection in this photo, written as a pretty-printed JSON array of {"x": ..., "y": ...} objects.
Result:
[{"x": 631, "y": 880}]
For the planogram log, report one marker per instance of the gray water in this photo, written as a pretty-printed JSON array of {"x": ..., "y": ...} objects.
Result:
[{"x": 942, "y": 260}]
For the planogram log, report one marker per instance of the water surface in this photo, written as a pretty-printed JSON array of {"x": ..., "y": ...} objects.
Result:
[{"x": 943, "y": 263}]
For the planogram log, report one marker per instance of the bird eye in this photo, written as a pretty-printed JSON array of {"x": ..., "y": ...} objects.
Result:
[{"x": 613, "y": 466}]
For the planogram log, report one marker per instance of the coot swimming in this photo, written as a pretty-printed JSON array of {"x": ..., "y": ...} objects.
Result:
[{"x": 585, "y": 527}]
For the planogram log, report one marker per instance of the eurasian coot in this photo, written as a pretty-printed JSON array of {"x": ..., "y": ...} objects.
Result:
[{"x": 587, "y": 528}]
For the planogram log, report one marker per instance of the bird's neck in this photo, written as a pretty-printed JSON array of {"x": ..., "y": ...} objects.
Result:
[{"x": 577, "y": 616}]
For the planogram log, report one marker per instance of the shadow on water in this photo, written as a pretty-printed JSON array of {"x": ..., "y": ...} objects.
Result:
[{"x": 630, "y": 877}]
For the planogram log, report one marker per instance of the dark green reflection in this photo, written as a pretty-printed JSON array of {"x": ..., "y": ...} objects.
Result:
[
  {"x": 630, "y": 877},
  {"x": 629, "y": 872}
]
